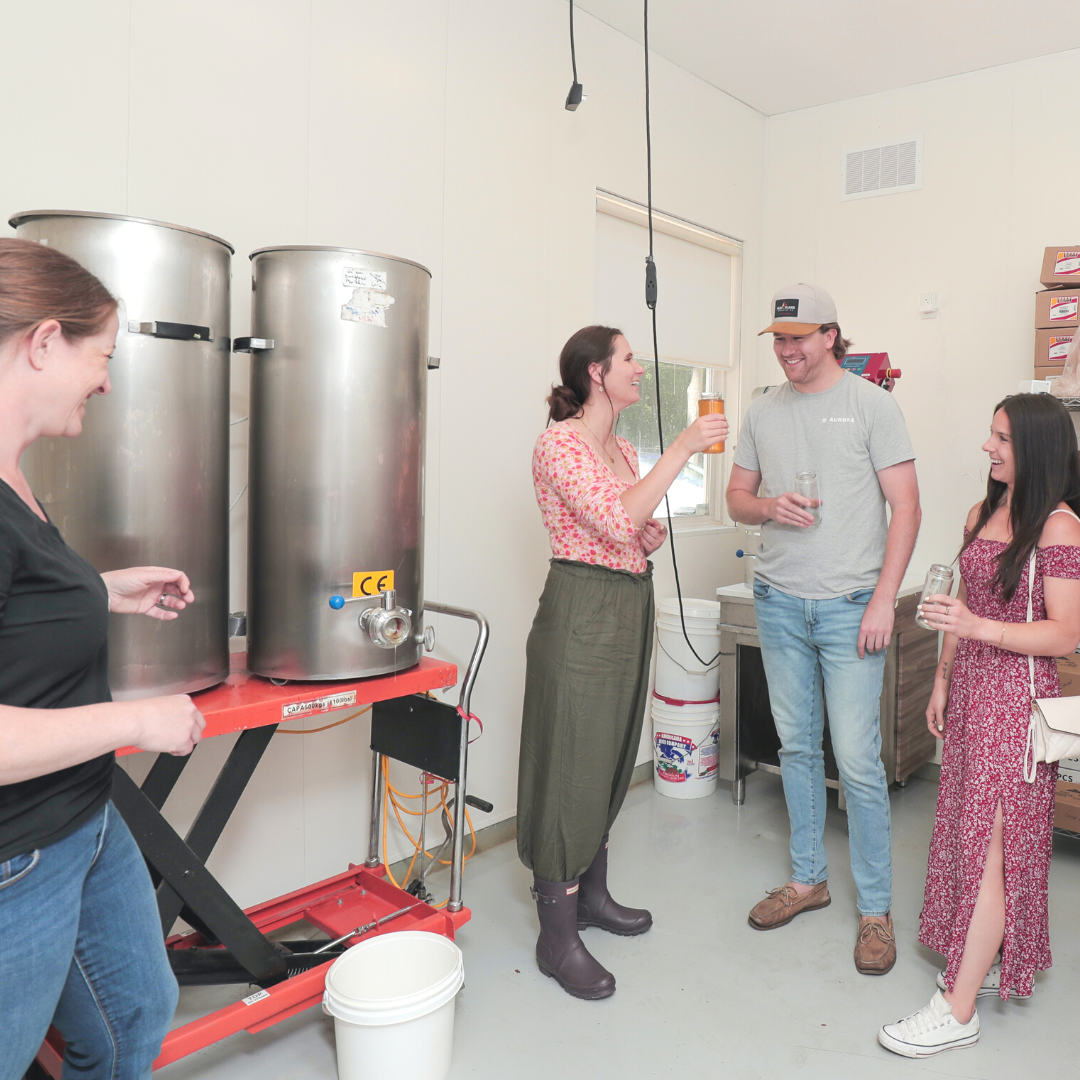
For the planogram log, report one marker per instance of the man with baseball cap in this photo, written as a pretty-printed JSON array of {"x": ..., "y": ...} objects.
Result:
[{"x": 824, "y": 598}]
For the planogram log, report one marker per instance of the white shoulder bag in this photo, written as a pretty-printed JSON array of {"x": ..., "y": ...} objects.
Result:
[{"x": 1054, "y": 728}]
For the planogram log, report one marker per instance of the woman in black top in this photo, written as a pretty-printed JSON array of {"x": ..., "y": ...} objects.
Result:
[{"x": 80, "y": 940}]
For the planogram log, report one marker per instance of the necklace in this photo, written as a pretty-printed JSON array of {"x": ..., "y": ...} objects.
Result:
[{"x": 603, "y": 448}]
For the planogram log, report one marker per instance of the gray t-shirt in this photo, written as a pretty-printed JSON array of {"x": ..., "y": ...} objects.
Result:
[{"x": 846, "y": 434}]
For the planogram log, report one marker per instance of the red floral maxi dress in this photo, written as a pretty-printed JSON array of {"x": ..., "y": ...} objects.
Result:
[{"x": 982, "y": 764}]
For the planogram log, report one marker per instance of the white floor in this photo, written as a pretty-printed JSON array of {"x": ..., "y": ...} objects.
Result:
[{"x": 702, "y": 994}]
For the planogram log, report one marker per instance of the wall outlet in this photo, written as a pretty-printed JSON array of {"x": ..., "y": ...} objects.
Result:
[{"x": 928, "y": 305}]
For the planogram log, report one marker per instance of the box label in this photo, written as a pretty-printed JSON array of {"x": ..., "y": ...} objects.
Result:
[
  {"x": 1067, "y": 264},
  {"x": 1059, "y": 349},
  {"x": 372, "y": 582},
  {"x": 296, "y": 709},
  {"x": 1063, "y": 308},
  {"x": 262, "y": 995}
]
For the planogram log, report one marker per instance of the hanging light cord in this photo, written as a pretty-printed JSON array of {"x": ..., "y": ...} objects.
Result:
[{"x": 650, "y": 300}]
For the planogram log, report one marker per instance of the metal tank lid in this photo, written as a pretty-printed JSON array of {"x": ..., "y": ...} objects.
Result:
[
  {"x": 344, "y": 250},
  {"x": 31, "y": 215}
]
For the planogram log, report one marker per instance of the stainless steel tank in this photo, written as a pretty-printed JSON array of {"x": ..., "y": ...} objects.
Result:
[
  {"x": 336, "y": 473},
  {"x": 146, "y": 483}
]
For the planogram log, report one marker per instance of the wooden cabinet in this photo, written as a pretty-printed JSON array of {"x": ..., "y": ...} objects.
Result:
[{"x": 748, "y": 739}]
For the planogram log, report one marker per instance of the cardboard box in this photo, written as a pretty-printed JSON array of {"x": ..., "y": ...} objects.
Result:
[
  {"x": 1051, "y": 347},
  {"x": 1056, "y": 308},
  {"x": 1067, "y": 807},
  {"x": 1044, "y": 373},
  {"x": 1069, "y": 674},
  {"x": 1061, "y": 266}
]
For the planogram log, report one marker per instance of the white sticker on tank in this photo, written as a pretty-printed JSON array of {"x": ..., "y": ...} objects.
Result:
[
  {"x": 367, "y": 306},
  {"x": 357, "y": 278}
]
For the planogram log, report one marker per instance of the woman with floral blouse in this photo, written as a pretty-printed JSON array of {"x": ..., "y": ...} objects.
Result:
[{"x": 590, "y": 646}]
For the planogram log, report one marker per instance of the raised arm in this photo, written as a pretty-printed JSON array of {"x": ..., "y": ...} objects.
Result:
[
  {"x": 642, "y": 499},
  {"x": 1056, "y": 635}
]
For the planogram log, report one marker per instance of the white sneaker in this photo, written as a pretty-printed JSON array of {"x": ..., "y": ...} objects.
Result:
[
  {"x": 929, "y": 1031},
  {"x": 990, "y": 985}
]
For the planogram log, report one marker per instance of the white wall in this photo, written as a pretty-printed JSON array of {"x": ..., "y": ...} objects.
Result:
[
  {"x": 433, "y": 130},
  {"x": 999, "y": 186}
]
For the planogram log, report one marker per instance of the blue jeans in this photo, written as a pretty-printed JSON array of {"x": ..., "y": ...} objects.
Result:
[
  {"x": 803, "y": 644},
  {"x": 81, "y": 948}
]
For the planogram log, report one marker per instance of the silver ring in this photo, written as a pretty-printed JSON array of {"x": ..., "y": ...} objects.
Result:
[{"x": 947, "y": 609}]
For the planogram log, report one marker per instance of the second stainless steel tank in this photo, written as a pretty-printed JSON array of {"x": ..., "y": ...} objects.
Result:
[
  {"x": 146, "y": 483},
  {"x": 336, "y": 474}
]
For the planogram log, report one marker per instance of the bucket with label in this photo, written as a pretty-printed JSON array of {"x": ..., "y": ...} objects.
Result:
[
  {"x": 392, "y": 1000},
  {"x": 686, "y": 744},
  {"x": 679, "y": 673}
]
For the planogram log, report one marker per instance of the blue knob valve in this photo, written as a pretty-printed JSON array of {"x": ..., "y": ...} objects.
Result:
[
  {"x": 738, "y": 555},
  {"x": 337, "y": 602}
]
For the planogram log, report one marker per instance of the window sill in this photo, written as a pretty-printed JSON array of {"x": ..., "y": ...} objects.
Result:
[{"x": 693, "y": 526}]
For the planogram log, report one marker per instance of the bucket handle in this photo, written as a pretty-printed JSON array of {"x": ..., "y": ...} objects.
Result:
[{"x": 688, "y": 671}]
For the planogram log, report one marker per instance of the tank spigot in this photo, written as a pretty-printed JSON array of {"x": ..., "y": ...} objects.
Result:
[{"x": 388, "y": 626}]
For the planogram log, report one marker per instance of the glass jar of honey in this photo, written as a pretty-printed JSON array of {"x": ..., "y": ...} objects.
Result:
[{"x": 712, "y": 403}]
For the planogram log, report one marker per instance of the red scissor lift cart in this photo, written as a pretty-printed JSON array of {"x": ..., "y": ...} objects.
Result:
[{"x": 228, "y": 944}]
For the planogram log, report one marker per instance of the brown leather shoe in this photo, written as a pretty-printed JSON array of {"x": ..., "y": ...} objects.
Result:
[
  {"x": 875, "y": 949},
  {"x": 783, "y": 904}
]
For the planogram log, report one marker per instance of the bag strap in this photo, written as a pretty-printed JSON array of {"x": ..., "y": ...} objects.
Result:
[
  {"x": 1031, "y": 593},
  {"x": 1031, "y": 614}
]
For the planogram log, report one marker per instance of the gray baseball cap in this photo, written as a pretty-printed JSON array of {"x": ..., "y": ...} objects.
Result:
[{"x": 800, "y": 309}]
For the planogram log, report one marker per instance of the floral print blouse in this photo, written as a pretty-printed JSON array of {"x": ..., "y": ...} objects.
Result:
[{"x": 579, "y": 501}]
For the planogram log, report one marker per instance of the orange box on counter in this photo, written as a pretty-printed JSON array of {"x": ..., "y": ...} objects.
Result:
[
  {"x": 1051, "y": 347},
  {"x": 1056, "y": 308},
  {"x": 1067, "y": 807},
  {"x": 1061, "y": 266}
]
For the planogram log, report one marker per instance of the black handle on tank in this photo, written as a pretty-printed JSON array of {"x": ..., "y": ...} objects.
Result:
[{"x": 173, "y": 331}]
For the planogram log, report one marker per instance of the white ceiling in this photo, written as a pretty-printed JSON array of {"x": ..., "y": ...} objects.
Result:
[{"x": 781, "y": 55}]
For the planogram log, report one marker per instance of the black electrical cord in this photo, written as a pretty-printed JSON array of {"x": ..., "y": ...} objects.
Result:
[
  {"x": 650, "y": 300},
  {"x": 575, "y": 97}
]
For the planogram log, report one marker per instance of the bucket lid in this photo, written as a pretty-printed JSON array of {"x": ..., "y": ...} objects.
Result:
[
  {"x": 708, "y": 610},
  {"x": 381, "y": 981}
]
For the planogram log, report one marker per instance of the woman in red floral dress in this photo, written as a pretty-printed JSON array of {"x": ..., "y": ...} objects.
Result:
[{"x": 986, "y": 883}]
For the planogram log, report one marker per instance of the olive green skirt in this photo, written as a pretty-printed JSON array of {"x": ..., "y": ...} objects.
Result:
[{"x": 586, "y": 678}]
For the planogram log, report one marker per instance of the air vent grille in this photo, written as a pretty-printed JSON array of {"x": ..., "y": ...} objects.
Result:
[{"x": 881, "y": 170}]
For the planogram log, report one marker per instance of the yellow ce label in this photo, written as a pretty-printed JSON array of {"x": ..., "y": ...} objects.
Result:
[{"x": 372, "y": 582}]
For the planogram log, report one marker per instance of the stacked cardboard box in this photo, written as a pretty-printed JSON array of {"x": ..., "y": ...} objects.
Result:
[
  {"x": 1067, "y": 799},
  {"x": 1056, "y": 309}
]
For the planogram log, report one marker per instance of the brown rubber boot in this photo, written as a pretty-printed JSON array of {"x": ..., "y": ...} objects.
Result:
[
  {"x": 783, "y": 904},
  {"x": 875, "y": 947},
  {"x": 596, "y": 908},
  {"x": 560, "y": 953}
]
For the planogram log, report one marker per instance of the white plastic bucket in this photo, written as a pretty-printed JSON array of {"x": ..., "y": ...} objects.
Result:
[
  {"x": 686, "y": 741},
  {"x": 679, "y": 673},
  {"x": 392, "y": 1000}
]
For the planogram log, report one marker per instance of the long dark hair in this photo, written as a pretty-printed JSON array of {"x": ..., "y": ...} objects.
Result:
[
  {"x": 1047, "y": 472},
  {"x": 590, "y": 345}
]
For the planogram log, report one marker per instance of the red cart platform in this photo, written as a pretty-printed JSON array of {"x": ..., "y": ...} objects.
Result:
[{"x": 227, "y": 938}]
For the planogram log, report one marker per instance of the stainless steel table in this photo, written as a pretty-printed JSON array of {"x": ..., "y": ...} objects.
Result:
[{"x": 748, "y": 739}]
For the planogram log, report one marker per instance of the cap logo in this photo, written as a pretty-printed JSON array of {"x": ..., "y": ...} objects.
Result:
[{"x": 786, "y": 309}]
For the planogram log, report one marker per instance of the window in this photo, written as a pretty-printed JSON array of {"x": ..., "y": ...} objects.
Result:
[
  {"x": 680, "y": 387},
  {"x": 697, "y": 298}
]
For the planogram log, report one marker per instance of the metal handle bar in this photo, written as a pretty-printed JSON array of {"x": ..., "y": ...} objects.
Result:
[
  {"x": 478, "y": 650},
  {"x": 457, "y": 857}
]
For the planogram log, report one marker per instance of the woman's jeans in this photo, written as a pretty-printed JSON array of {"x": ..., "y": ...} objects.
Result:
[
  {"x": 81, "y": 948},
  {"x": 805, "y": 643}
]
